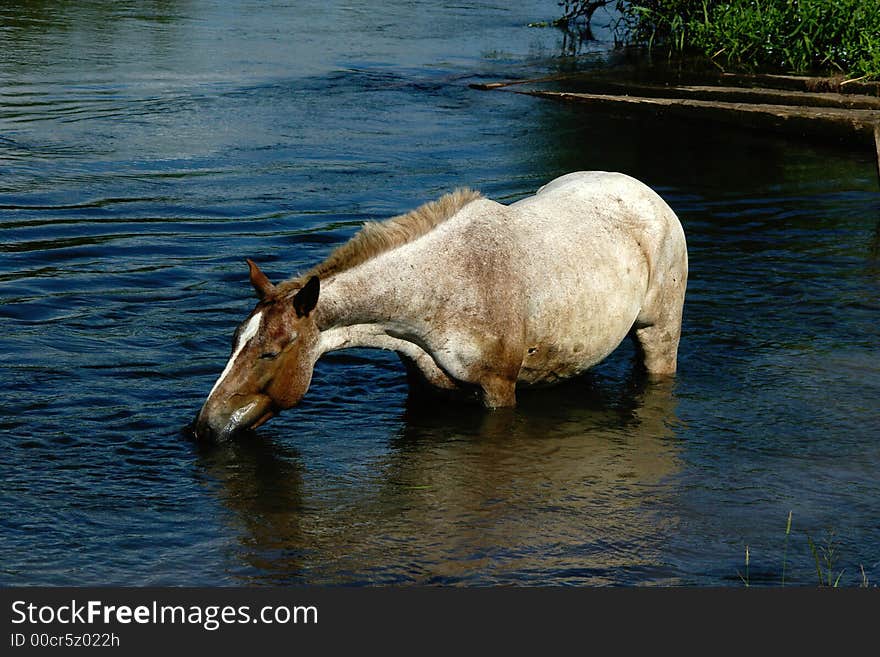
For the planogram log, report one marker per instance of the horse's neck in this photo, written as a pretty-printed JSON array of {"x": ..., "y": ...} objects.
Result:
[
  {"x": 358, "y": 308},
  {"x": 351, "y": 298}
]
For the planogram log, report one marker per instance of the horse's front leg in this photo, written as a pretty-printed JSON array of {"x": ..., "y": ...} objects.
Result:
[
  {"x": 492, "y": 364},
  {"x": 498, "y": 392},
  {"x": 422, "y": 370},
  {"x": 493, "y": 391}
]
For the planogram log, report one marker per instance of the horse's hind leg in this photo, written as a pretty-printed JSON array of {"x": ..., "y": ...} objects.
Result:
[
  {"x": 658, "y": 329},
  {"x": 658, "y": 346}
]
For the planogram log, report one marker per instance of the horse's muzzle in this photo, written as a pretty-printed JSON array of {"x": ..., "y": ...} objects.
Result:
[{"x": 219, "y": 421}]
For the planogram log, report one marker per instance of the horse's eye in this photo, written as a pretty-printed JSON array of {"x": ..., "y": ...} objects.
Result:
[{"x": 269, "y": 355}]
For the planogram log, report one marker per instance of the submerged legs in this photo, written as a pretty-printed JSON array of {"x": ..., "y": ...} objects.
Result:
[
  {"x": 658, "y": 346},
  {"x": 498, "y": 392},
  {"x": 657, "y": 338}
]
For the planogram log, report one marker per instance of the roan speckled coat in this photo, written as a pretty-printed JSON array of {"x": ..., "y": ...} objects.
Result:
[{"x": 476, "y": 297}]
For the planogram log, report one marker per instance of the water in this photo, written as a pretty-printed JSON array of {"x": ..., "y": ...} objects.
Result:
[{"x": 146, "y": 149}]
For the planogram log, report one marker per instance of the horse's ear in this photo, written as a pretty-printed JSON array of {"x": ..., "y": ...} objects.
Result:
[
  {"x": 261, "y": 284},
  {"x": 307, "y": 298}
]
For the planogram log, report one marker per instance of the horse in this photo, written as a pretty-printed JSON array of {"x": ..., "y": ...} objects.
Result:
[{"x": 477, "y": 298}]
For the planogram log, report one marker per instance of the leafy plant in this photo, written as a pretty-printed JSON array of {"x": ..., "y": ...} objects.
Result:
[{"x": 802, "y": 36}]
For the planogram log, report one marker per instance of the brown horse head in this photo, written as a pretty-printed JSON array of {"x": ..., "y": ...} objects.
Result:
[{"x": 273, "y": 355}]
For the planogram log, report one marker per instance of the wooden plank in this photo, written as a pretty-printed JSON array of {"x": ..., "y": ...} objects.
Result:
[
  {"x": 838, "y": 84},
  {"x": 828, "y": 121},
  {"x": 877, "y": 145},
  {"x": 761, "y": 81},
  {"x": 796, "y": 93},
  {"x": 735, "y": 94}
]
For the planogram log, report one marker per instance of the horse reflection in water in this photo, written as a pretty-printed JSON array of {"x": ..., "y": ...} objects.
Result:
[
  {"x": 572, "y": 486},
  {"x": 261, "y": 483},
  {"x": 478, "y": 298}
]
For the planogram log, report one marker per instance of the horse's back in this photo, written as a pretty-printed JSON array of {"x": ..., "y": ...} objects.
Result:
[
  {"x": 601, "y": 219},
  {"x": 581, "y": 200}
]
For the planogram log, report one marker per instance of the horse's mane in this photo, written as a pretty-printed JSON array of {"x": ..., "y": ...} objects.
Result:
[{"x": 380, "y": 236}]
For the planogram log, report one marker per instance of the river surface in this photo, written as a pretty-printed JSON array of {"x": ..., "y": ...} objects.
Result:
[{"x": 147, "y": 148}]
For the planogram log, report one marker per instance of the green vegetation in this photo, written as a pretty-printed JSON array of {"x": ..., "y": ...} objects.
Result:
[
  {"x": 785, "y": 547},
  {"x": 799, "y": 36},
  {"x": 825, "y": 555},
  {"x": 745, "y": 578}
]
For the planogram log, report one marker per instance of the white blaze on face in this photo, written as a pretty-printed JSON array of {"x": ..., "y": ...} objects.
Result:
[{"x": 247, "y": 334}]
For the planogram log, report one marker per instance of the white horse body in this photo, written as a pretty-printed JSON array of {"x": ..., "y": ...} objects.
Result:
[{"x": 529, "y": 293}]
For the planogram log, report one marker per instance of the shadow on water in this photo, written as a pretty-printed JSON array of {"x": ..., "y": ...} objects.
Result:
[
  {"x": 715, "y": 158},
  {"x": 569, "y": 487},
  {"x": 875, "y": 243}
]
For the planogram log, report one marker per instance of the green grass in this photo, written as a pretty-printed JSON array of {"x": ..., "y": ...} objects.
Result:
[
  {"x": 745, "y": 578},
  {"x": 798, "y": 36},
  {"x": 825, "y": 557},
  {"x": 785, "y": 547}
]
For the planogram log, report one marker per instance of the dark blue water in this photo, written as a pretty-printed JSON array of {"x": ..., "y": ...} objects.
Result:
[{"x": 147, "y": 148}]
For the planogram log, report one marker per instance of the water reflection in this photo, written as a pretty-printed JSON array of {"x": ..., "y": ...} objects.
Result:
[
  {"x": 261, "y": 484},
  {"x": 38, "y": 31},
  {"x": 875, "y": 242},
  {"x": 567, "y": 488}
]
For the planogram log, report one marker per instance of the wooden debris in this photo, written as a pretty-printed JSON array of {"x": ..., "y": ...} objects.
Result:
[
  {"x": 838, "y": 84},
  {"x": 488, "y": 86},
  {"x": 830, "y": 121},
  {"x": 735, "y": 94},
  {"x": 877, "y": 145}
]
